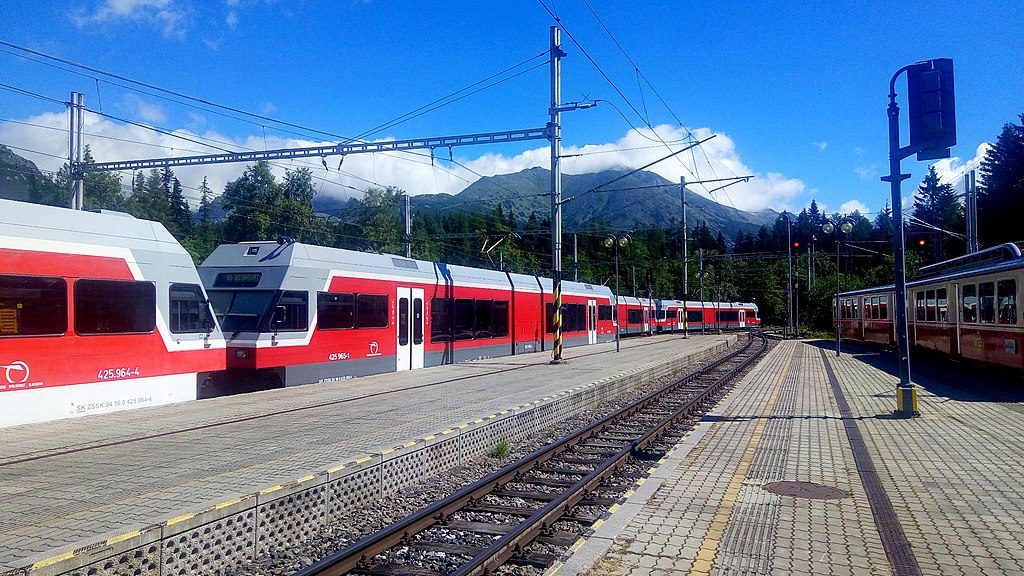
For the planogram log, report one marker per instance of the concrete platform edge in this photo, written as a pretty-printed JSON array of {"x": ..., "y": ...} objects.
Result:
[{"x": 238, "y": 530}]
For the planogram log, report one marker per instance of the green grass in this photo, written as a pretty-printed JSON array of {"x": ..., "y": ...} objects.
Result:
[{"x": 501, "y": 449}]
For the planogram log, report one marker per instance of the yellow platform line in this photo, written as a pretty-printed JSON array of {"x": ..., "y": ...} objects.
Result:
[{"x": 709, "y": 546}]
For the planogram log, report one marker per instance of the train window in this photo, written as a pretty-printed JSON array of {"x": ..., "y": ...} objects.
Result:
[
  {"x": 660, "y": 314},
  {"x": 114, "y": 307},
  {"x": 987, "y": 302},
  {"x": 874, "y": 307},
  {"x": 576, "y": 314},
  {"x": 634, "y": 316},
  {"x": 465, "y": 319},
  {"x": 672, "y": 314},
  {"x": 883, "y": 307},
  {"x": 694, "y": 316},
  {"x": 417, "y": 321},
  {"x": 371, "y": 311},
  {"x": 919, "y": 306},
  {"x": 930, "y": 306},
  {"x": 1007, "y": 292},
  {"x": 484, "y": 318},
  {"x": 729, "y": 316},
  {"x": 969, "y": 308},
  {"x": 549, "y": 312},
  {"x": 240, "y": 311},
  {"x": 441, "y": 319},
  {"x": 403, "y": 321},
  {"x": 33, "y": 306},
  {"x": 335, "y": 310},
  {"x": 604, "y": 312},
  {"x": 291, "y": 312},
  {"x": 500, "y": 318},
  {"x": 942, "y": 305},
  {"x": 189, "y": 311}
]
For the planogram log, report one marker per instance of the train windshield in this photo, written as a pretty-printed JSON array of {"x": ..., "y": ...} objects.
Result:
[{"x": 241, "y": 311}]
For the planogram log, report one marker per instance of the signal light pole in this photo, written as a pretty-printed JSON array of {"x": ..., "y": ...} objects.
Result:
[{"x": 932, "y": 123}]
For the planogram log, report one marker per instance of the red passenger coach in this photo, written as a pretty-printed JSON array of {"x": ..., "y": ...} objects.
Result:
[
  {"x": 961, "y": 308},
  {"x": 98, "y": 312},
  {"x": 297, "y": 314}
]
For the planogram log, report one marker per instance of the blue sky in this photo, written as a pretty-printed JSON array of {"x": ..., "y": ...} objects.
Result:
[{"x": 796, "y": 92}]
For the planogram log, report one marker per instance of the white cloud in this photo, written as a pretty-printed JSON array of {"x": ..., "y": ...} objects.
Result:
[
  {"x": 851, "y": 206},
  {"x": 820, "y": 145},
  {"x": 952, "y": 170},
  {"x": 142, "y": 109},
  {"x": 858, "y": 150},
  {"x": 232, "y": 19},
  {"x": 169, "y": 15},
  {"x": 415, "y": 173},
  {"x": 866, "y": 172},
  {"x": 268, "y": 108}
]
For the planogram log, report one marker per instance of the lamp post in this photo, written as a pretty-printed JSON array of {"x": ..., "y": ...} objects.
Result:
[
  {"x": 620, "y": 241},
  {"x": 844, "y": 228}
]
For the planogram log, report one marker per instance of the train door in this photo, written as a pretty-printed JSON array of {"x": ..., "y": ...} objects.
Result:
[
  {"x": 591, "y": 322},
  {"x": 647, "y": 319},
  {"x": 741, "y": 316},
  {"x": 410, "y": 329},
  {"x": 956, "y": 309}
]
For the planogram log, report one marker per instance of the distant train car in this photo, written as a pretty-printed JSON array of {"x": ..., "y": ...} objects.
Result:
[
  {"x": 99, "y": 312},
  {"x": 961, "y": 308},
  {"x": 634, "y": 315},
  {"x": 669, "y": 315},
  {"x": 297, "y": 314}
]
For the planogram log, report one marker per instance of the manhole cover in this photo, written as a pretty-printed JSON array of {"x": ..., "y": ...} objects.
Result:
[{"x": 805, "y": 490}]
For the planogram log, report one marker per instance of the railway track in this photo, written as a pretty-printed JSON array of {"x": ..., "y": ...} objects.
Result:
[{"x": 518, "y": 516}]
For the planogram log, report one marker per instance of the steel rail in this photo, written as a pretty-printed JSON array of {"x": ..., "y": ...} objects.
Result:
[{"x": 359, "y": 554}]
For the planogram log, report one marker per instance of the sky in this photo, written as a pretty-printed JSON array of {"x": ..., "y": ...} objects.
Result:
[{"x": 791, "y": 93}]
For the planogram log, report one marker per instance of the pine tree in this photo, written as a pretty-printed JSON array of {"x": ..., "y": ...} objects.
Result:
[
  {"x": 1002, "y": 187},
  {"x": 180, "y": 213},
  {"x": 102, "y": 190},
  {"x": 938, "y": 205}
]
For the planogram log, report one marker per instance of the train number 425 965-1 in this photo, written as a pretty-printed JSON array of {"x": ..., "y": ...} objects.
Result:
[{"x": 115, "y": 373}]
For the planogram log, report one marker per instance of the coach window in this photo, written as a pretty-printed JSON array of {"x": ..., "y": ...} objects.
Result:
[
  {"x": 1007, "y": 293},
  {"x": 987, "y": 302},
  {"x": 441, "y": 319},
  {"x": 942, "y": 305},
  {"x": 403, "y": 321},
  {"x": 417, "y": 321},
  {"x": 114, "y": 307},
  {"x": 634, "y": 316},
  {"x": 465, "y": 319},
  {"x": 291, "y": 312},
  {"x": 969, "y": 309},
  {"x": 33, "y": 306},
  {"x": 604, "y": 312},
  {"x": 694, "y": 316},
  {"x": 672, "y": 314},
  {"x": 484, "y": 318},
  {"x": 883, "y": 307},
  {"x": 189, "y": 312},
  {"x": 335, "y": 310},
  {"x": 500, "y": 318},
  {"x": 930, "y": 306},
  {"x": 371, "y": 311},
  {"x": 919, "y": 306}
]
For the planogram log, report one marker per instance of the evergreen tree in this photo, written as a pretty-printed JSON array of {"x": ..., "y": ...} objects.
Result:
[
  {"x": 180, "y": 214},
  {"x": 249, "y": 201},
  {"x": 102, "y": 190},
  {"x": 1002, "y": 187},
  {"x": 938, "y": 205}
]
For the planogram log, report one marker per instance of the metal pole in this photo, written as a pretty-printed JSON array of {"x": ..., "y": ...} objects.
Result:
[
  {"x": 575, "y": 259},
  {"x": 79, "y": 180},
  {"x": 408, "y": 227},
  {"x": 618, "y": 325},
  {"x": 700, "y": 279},
  {"x": 556, "y": 188},
  {"x": 632, "y": 268},
  {"x": 686, "y": 259},
  {"x": 974, "y": 210},
  {"x": 839, "y": 331},
  {"x": 789, "y": 274},
  {"x": 71, "y": 152},
  {"x": 906, "y": 394}
]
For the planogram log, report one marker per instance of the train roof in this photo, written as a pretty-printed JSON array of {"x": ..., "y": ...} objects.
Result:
[
  {"x": 106, "y": 228},
  {"x": 1000, "y": 266}
]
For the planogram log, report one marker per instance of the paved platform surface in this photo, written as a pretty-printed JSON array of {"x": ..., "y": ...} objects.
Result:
[
  {"x": 70, "y": 482},
  {"x": 951, "y": 482}
]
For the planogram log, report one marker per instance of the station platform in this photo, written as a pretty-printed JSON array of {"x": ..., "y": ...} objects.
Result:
[
  {"x": 138, "y": 488},
  {"x": 802, "y": 469}
]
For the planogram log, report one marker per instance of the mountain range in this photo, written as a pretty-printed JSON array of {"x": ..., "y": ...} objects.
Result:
[{"x": 617, "y": 198}]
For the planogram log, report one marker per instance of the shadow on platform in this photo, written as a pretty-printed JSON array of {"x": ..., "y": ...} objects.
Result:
[{"x": 960, "y": 381}]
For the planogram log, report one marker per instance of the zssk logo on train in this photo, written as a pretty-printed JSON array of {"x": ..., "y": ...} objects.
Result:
[{"x": 16, "y": 372}]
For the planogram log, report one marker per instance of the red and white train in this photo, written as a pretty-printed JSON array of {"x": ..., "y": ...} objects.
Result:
[
  {"x": 98, "y": 312},
  {"x": 102, "y": 312},
  {"x": 961, "y": 308}
]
